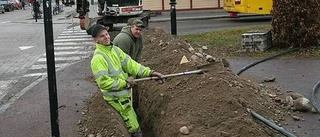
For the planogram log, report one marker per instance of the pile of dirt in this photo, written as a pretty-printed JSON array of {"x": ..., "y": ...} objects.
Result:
[{"x": 210, "y": 104}]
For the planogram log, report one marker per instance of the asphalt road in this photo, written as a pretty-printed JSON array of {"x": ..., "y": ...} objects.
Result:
[
  {"x": 196, "y": 26},
  {"x": 22, "y": 44},
  {"x": 24, "y": 104}
]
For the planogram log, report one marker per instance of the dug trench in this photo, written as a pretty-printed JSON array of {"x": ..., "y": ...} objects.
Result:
[{"x": 212, "y": 104}]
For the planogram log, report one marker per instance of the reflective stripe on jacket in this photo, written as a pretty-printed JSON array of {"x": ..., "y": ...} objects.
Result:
[{"x": 110, "y": 67}]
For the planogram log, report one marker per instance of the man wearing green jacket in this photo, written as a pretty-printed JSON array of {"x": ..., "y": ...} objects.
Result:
[
  {"x": 111, "y": 68},
  {"x": 130, "y": 39}
]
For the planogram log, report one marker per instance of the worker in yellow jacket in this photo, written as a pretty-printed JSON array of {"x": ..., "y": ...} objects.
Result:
[{"x": 111, "y": 67}]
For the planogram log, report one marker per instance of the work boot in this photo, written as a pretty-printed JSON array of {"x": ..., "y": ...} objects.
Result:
[{"x": 138, "y": 133}]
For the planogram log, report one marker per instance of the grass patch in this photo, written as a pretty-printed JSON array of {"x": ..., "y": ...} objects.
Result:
[{"x": 226, "y": 44}]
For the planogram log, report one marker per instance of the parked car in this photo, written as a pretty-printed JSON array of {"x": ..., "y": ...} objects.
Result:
[
  {"x": 2, "y": 10},
  {"x": 7, "y": 4}
]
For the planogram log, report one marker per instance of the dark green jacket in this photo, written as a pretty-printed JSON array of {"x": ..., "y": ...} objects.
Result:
[{"x": 128, "y": 43}]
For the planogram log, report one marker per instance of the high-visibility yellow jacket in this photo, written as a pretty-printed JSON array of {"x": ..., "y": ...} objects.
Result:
[{"x": 110, "y": 67}]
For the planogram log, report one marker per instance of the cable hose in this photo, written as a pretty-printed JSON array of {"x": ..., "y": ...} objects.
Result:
[
  {"x": 257, "y": 62},
  {"x": 270, "y": 124},
  {"x": 313, "y": 97}
]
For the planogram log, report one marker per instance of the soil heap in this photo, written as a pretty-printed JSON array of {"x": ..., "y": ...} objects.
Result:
[{"x": 212, "y": 104}]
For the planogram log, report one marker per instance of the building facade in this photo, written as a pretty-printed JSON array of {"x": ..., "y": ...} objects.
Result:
[{"x": 164, "y": 5}]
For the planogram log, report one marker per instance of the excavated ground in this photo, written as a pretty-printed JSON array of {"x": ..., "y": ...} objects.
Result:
[{"x": 210, "y": 104}]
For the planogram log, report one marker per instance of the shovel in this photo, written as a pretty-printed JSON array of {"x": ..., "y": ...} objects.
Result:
[{"x": 200, "y": 71}]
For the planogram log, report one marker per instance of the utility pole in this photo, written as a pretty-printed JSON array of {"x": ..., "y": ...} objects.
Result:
[
  {"x": 173, "y": 17},
  {"x": 51, "y": 70}
]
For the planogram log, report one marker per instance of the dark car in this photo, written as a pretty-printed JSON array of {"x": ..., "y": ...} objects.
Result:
[{"x": 7, "y": 4}]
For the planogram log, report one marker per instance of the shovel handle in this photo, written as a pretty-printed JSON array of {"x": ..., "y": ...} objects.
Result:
[{"x": 171, "y": 75}]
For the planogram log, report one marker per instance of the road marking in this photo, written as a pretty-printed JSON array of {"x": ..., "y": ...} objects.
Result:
[
  {"x": 73, "y": 43},
  {"x": 66, "y": 40},
  {"x": 68, "y": 48},
  {"x": 70, "y": 31},
  {"x": 75, "y": 33},
  {"x": 71, "y": 46},
  {"x": 35, "y": 74},
  {"x": 74, "y": 36},
  {"x": 64, "y": 58},
  {"x": 78, "y": 28},
  {"x": 71, "y": 53},
  {"x": 6, "y": 22},
  {"x": 44, "y": 66},
  {"x": 25, "y": 47}
]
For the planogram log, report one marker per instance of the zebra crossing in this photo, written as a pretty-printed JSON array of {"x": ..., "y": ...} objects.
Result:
[{"x": 71, "y": 46}]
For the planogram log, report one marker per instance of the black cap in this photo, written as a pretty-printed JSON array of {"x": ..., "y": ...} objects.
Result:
[{"x": 97, "y": 28}]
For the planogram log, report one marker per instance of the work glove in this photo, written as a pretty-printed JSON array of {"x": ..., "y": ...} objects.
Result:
[
  {"x": 157, "y": 74},
  {"x": 130, "y": 82}
]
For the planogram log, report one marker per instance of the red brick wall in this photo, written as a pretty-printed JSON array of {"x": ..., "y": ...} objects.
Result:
[{"x": 163, "y": 5}]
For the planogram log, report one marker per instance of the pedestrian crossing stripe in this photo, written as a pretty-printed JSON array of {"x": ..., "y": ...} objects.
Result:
[
  {"x": 71, "y": 53},
  {"x": 44, "y": 66},
  {"x": 66, "y": 40},
  {"x": 67, "y": 48},
  {"x": 64, "y": 58},
  {"x": 71, "y": 45},
  {"x": 73, "y": 36},
  {"x": 35, "y": 74}
]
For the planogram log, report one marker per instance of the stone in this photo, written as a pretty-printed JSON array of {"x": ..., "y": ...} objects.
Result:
[
  {"x": 289, "y": 101},
  {"x": 302, "y": 104},
  {"x": 209, "y": 58},
  {"x": 199, "y": 55},
  {"x": 91, "y": 135},
  {"x": 296, "y": 95},
  {"x": 204, "y": 47},
  {"x": 270, "y": 78},
  {"x": 184, "y": 130},
  {"x": 195, "y": 59},
  {"x": 191, "y": 50},
  {"x": 296, "y": 118}
]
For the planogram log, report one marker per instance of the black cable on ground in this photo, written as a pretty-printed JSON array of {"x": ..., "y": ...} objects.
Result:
[
  {"x": 257, "y": 62},
  {"x": 313, "y": 97},
  {"x": 270, "y": 124}
]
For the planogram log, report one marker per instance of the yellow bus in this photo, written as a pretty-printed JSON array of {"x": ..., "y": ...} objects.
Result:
[{"x": 247, "y": 6}]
